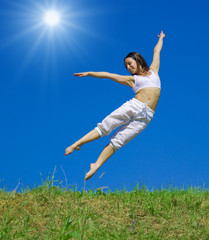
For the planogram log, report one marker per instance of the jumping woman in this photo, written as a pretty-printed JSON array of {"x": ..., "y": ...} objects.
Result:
[{"x": 135, "y": 114}]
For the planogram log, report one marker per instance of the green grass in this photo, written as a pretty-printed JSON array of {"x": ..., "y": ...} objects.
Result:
[{"x": 52, "y": 212}]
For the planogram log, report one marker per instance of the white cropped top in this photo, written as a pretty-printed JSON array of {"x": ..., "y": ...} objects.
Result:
[{"x": 146, "y": 81}]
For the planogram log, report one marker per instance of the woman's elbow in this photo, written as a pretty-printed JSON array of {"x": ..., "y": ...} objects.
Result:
[{"x": 156, "y": 49}]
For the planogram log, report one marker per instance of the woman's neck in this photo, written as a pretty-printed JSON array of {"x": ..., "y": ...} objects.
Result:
[{"x": 142, "y": 72}]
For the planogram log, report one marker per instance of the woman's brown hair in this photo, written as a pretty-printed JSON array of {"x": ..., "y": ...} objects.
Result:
[{"x": 139, "y": 60}]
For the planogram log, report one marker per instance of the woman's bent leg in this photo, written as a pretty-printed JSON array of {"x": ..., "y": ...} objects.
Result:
[
  {"x": 104, "y": 156},
  {"x": 120, "y": 116},
  {"x": 91, "y": 136},
  {"x": 126, "y": 133}
]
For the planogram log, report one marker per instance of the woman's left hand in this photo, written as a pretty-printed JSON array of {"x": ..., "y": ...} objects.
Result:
[{"x": 162, "y": 35}]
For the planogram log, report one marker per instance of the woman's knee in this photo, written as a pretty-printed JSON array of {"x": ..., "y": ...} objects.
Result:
[
  {"x": 105, "y": 128},
  {"x": 101, "y": 130},
  {"x": 125, "y": 134}
]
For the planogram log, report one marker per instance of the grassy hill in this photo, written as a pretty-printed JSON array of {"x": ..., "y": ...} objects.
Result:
[{"x": 49, "y": 212}]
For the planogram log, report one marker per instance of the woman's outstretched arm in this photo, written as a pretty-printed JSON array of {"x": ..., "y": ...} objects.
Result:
[
  {"x": 125, "y": 80},
  {"x": 156, "y": 57}
]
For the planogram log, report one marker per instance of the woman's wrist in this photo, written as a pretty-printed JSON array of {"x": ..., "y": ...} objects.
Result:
[{"x": 91, "y": 74}]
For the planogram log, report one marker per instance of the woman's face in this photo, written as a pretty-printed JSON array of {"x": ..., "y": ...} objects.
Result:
[{"x": 131, "y": 65}]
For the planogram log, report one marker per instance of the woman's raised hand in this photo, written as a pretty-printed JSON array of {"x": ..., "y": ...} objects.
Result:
[
  {"x": 162, "y": 35},
  {"x": 83, "y": 74}
]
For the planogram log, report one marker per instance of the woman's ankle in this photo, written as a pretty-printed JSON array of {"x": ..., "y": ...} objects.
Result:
[{"x": 97, "y": 165}]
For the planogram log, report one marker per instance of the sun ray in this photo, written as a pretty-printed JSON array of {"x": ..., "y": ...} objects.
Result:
[
  {"x": 73, "y": 45},
  {"x": 30, "y": 17},
  {"x": 82, "y": 29},
  {"x": 20, "y": 35},
  {"x": 32, "y": 51}
]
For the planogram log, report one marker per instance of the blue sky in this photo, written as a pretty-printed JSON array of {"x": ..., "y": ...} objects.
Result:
[{"x": 44, "y": 109}]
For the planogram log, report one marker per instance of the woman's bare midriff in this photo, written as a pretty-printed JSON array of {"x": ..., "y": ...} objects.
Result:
[{"x": 150, "y": 94}]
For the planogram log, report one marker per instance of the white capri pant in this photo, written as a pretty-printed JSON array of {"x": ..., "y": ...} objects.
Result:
[{"x": 133, "y": 115}]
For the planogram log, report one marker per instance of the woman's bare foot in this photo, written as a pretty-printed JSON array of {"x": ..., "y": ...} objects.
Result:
[
  {"x": 93, "y": 169},
  {"x": 73, "y": 147}
]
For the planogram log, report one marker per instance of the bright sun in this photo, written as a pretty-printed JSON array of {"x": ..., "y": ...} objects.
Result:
[
  {"x": 50, "y": 24},
  {"x": 52, "y": 17}
]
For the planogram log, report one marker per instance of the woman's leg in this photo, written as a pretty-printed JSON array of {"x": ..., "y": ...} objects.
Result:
[
  {"x": 91, "y": 136},
  {"x": 124, "y": 134},
  {"x": 111, "y": 122},
  {"x": 104, "y": 156}
]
